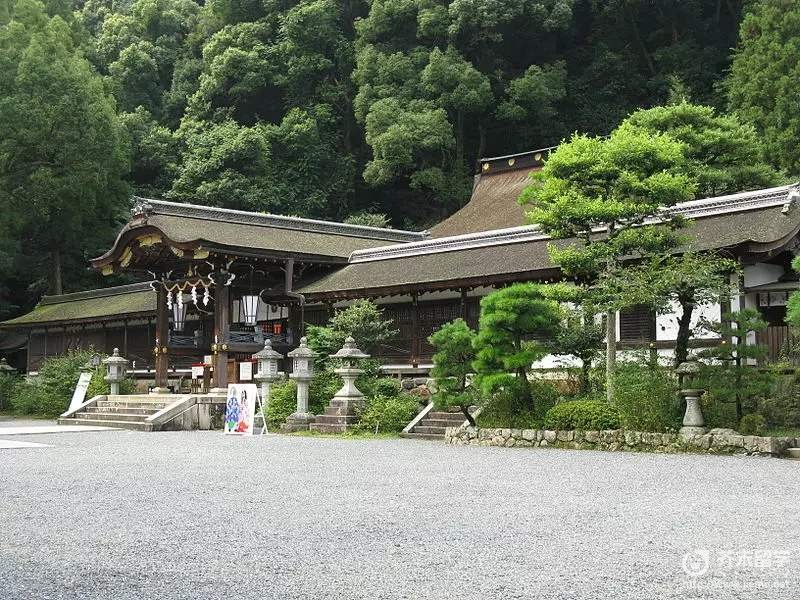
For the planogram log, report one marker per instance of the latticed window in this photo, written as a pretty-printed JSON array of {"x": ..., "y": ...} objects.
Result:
[{"x": 637, "y": 324}]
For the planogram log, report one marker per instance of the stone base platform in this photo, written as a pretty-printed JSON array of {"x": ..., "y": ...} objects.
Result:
[
  {"x": 297, "y": 422},
  {"x": 340, "y": 415}
]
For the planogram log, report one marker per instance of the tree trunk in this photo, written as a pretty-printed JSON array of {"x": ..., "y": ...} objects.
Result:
[
  {"x": 684, "y": 331},
  {"x": 57, "y": 287},
  {"x": 583, "y": 382},
  {"x": 611, "y": 352},
  {"x": 467, "y": 416}
]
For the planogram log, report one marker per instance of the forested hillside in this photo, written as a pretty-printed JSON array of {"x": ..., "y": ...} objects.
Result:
[{"x": 337, "y": 108}]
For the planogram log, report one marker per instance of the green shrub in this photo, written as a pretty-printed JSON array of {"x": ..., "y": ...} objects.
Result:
[
  {"x": 322, "y": 387},
  {"x": 378, "y": 386},
  {"x": 582, "y": 414},
  {"x": 646, "y": 397},
  {"x": 7, "y": 383},
  {"x": 388, "y": 414},
  {"x": 503, "y": 409},
  {"x": 782, "y": 408},
  {"x": 282, "y": 402},
  {"x": 752, "y": 424},
  {"x": 49, "y": 393}
]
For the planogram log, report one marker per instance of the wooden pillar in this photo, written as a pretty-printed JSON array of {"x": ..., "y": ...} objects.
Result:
[
  {"x": 222, "y": 296},
  {"x": 125, "y": 338},
  {"x": 415, "y": 345},
  {"x": 162, "y": 337},
  {"x": 463, "y": 306},
  {"x": 44, "y": 350}
]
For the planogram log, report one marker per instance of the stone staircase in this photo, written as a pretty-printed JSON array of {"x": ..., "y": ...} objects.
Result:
[
  {"x": 124, "y": 412},
  {"x": 433, "y": 424}
]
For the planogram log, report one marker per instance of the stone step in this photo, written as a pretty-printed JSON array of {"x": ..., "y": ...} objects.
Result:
[
  {"x": 120, "y": 409},
  {"x": 154, "y": 406},
  {"x": 445, "y": 416},
  {"x": 328, "y": 427},
  {"x": 133, "y": 425},
  {"x": 793, "y": 453},
  {"x": 102, "y": 416},
  {"x": 443, "y": 422},
  {"x": 336, "y": 419},
  {"x": 429, "y": 430},
  {"x": 421, "y": 436}
]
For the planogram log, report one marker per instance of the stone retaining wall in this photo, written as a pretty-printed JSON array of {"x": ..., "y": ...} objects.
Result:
[{"x": 619, "y": 439}]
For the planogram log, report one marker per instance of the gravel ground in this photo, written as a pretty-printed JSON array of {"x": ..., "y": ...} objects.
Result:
[{"x": 198, "y": 515}]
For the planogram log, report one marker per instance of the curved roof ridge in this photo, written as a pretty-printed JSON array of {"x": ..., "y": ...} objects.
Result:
[
  {"x": 145, "y": 206},
  {"x": 693, "y": 209},
  {"x": 116, "y": 290}
]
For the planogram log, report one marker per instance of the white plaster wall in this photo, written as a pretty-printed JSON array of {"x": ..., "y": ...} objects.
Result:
[
  {"x": 667, "y": 324},
  {"x": 761, "y": 273}
]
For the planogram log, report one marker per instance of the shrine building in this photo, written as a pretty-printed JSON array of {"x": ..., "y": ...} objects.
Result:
[{"x": 216, "y": 283}]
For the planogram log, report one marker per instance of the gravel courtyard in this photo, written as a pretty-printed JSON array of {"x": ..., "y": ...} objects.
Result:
[{"x": 200, "y": 515}]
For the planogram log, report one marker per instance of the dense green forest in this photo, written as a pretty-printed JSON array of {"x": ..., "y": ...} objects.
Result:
[{"x": 338, "y": 108}]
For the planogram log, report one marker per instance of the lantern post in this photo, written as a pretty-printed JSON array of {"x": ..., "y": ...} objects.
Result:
[
  {"x": 302, "y": 372},
  {"x": 348, "y": 403},
  {"x": 117, "y": 367},
  {"x": 693, "y": 422},
  {"x": 267, "y": 369}
]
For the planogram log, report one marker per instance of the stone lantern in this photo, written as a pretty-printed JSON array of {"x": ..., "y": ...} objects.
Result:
[
  {"x": 6, "y": 369},
  {"x": 345, "y": 407},
  {"x": 117, "y": 367},
  {"x": 693, "y": 422},
  {"x": 302, "y": 372},
  {"x": 267, "y": 368}
]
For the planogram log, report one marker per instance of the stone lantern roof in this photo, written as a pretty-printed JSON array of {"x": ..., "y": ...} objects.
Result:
[
  {"x": 349, "y": 350},
  {"x": 267, "y": 352}
]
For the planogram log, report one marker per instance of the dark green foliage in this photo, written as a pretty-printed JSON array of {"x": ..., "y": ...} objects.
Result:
[
  {"x": 282, "y": 402},
  {"x": 587, "y": 415},
  {"x": 730, "y": 378},
  {"x": 723, "y": 155},
  {"x": 322, "y": 387},
  {"x": 64, "y": 153},
  {"x": 7, "y": 383},
  {"x": 329, "y": 109},
  {"x": 782, "y": 407},
  {"x": 363, "y": 321},
  {"x": 765, "y": 75},
  {"x": 370, "y": 385},
  {"x": 752, "y": 424},
  {"x": 452, "y": 359},
  {"x": 502, "y": 408},
  {"x": 512, "y": 322},
  {"x": 49, "y": 393},
  {"x": 388, "y": 414},
  {"x": 646, "y": 397},
  {"x": 613, "y": 184}
]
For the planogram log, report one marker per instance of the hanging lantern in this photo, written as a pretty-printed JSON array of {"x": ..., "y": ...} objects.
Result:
[
  {"x": 178, "y": 317},
  {"x": 249, "y": 309}
]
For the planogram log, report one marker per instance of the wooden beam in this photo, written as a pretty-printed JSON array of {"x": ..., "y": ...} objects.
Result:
[{"x": 222, "y": 298}]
